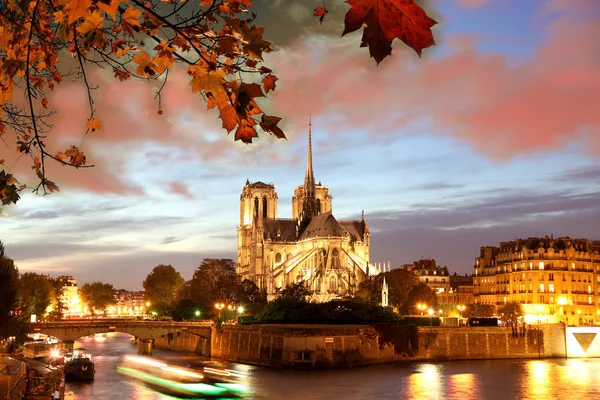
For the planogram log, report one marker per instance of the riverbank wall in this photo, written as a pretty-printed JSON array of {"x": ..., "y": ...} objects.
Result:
[{"x": 352, "y": 345}]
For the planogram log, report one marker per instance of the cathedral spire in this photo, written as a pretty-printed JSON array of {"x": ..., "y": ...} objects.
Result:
[
  {"x": 309, "y": 177},
  {"x": 310, "y": 206}
]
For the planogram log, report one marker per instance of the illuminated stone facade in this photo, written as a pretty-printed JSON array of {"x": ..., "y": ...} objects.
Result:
[
  {"x": 331, "y": 256},
  {"x": 429, "y": 273},
  {"x": 556, "y": 280}
]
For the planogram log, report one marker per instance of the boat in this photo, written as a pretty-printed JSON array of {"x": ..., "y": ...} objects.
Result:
[
  {"x": 78, "y": 365},
  {"x": 179, "y": 381}
]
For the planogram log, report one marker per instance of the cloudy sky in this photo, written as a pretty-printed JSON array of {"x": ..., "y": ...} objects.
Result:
[{"x": 493, "y": 134}]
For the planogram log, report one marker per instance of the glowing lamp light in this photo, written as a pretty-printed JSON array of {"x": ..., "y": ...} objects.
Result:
[
  {"x": 197, "y": 313},
  {"x": 240, "y": 310},
  {"x": 430, "y": 311}
]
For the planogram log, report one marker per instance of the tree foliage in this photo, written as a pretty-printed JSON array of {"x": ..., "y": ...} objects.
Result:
[
  {"x": 248, "y": 292},
  {"x": 399, "y": 281},
  {"x": 162, "y": 285},
  {"x": 35, "y": 294},
  {"x": 510, "y": 311},
  {"x": 480, "y": 310},
  {"x": 9, "y": 286},
  {"x": 421, "y": 294},
  {"x": 43, "y": 42},
  {"x": 296, "y": 291},
  {"x": 215, "y": 280},
  {"x": 97, "y": 295}
]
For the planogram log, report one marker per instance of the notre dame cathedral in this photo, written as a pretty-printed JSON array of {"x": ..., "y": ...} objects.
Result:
[{"x": 330, "y": 256}]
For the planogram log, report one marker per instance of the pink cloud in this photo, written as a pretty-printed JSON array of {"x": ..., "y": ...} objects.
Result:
[
  {"x": 180, "y": 188},
  {"x": 471, "y": 3},
  {"x": 502, "y": 110}
]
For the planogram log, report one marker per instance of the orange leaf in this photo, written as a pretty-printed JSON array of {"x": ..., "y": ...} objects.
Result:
[
  {"x": 320, "y": 12},
  {"x": 269, "y": 125},
  {"x": 45, "y": 102},
  {"x": 269, "y": 82},
  {"x": 111, "y": 9},
  {"x": 385, "y": 20},
  {"x": 1, "y": 162},
  {"x": 76, "y": 8},
  {"x": 51, "y": 186},
  {"x": 91, "y": 22},
  {"x": 94, "y": 124}
]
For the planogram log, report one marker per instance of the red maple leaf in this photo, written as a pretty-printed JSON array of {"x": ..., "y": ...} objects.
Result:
[
  {"x": 385, "y": 20},
  {"x": 320, "y": 12}
]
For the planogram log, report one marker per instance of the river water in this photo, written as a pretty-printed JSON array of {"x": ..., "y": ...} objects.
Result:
[{"x": 575, "y": 379}]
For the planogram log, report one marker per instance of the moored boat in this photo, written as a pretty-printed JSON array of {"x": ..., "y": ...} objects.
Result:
[{"x": 79, "y": 365}]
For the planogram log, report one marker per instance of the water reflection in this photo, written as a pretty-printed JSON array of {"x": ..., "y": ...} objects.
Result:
[{"x": 501, "y": 379}]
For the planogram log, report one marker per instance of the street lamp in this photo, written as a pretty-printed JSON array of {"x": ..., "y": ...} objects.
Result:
[
  {"x": 460, "y": 308},
  {"x": 220, "y": 306},
  {"x": 430, "y": 316},
  {"x": 422, "y": 307},
  {"x": 197, "y": 314}
]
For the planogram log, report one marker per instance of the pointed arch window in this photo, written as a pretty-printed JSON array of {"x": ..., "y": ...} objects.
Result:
[
  {"x": 256, "y": 206},
  {"x": 319, "y": 205},
  {"x": 333, "y": 283},
  {"x": 265, "y": 207}
]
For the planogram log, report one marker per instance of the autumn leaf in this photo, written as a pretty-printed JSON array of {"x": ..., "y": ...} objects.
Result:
[
  {"x": 269, "y": 124},
  {"x": 76, "y": 8},
  {"x": 110, "y": 9},
  {"x": 50, "y": 186},
  {"x": 130, "y": 20},
  {"x": 320, "y": 12},
  {"x": 76, "y": 157},
  {"x": 94, "y": 124},
  {"x": 91, "y": 22},
  {"x": 146, "y": 66},
  {"x": 207, "y": 81},
  {"x": 268, "y": 82},
  {"x": 385, "y": 20},
  {"x": 1, "y": 162}
]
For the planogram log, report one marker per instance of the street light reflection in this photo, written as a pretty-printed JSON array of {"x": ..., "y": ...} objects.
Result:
[{"x": 425, "y": 384}]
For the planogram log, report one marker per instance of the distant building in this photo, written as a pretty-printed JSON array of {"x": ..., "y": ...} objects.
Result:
[
  {"x": 434, "y": 276},
  {"x": 330, "y": 256},
  {"x": 69, "y": 296},
  {"x": 128, "y": 303},
  {"x": 556, "y": 280}
]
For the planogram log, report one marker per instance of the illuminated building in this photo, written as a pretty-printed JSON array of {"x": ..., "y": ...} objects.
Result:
[
  {"x": 127, "y": 303},
  {"x": 555, "y": 280},
  {"x": 331, "y": 256},
  {"x": 434, "y": 276}
]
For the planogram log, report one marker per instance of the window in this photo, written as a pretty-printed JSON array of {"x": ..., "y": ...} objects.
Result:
[
  {"x": 278, "y": 258},
  {"x": 589, "y": 299},
  {"x": 530, "y": 265},
  {"x": 541, "y": 288},
  {"x": 541, "y": 299},
  {"x": 256, "y": 206},
  {"x": 589, "y": 288},
  {"x": 552, "y": 299},
  {"x": 541, "y": 265},
  {"x": 551, "y": 277},
  {"x": 572, "y": 265},
  {"x": 333, "y": 283},
  {"x": 265, "y": 207}
]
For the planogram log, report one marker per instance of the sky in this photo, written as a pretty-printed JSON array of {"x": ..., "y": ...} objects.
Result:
[{"x": 493, "y": 134}]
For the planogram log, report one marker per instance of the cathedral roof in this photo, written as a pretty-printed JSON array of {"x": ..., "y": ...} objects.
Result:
[
  {"x": 280, "y": 229},
  {"x": 355, "y": 229},
  {"x": 259, "y": 184},
  {"x": 323, "y": 225}
]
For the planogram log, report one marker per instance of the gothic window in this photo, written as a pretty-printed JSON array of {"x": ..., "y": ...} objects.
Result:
[
  {"x": 343, "y": 283},
  {"x": 335, "y": 259},
  {"x": 333, "y": 283},
  {"x": 278, "y": 258},
  {"x": 319, "y": 205},
  {"x": 265, "y": 207},
  {"x": 256, "y": 206},
  {"x": 288, "y": 257}
]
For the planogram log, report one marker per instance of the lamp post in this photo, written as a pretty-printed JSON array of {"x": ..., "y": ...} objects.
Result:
[
  {"x": 220, "y": 306},
  {"x": 430, "y": 316},
  {"x": 197, "y": 314},
  {"x": 230, "y": 308},
  {"x": 421, "y": 307},
  {"x": 460, "y": 308}
]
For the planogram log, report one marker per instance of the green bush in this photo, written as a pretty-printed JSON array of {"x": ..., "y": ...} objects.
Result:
[{"x": 291, "y": 311}]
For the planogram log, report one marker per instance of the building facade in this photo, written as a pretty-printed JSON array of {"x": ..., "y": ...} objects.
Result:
[
  {"x": 330, "y": 256},
  {"x": 429, "y": 273},
  {"x": 555, "y": 280}
]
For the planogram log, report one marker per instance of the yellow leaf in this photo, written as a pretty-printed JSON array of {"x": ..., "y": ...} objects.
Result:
[
  {"x": 92, "y": 22},
  {"x": 76, "y": 8},
  {"x": 59, "y": 17},
  {"x": 208, "y": 81},
  {"x": 94, "y": 124}
]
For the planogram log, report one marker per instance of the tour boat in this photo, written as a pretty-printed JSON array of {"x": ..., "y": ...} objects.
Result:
[
  {"x": 180, "y": 381},
  {"x": 79, "y": 365}
]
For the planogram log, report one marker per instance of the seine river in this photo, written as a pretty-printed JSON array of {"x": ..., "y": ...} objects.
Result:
[{"x": 575, "y": 379}]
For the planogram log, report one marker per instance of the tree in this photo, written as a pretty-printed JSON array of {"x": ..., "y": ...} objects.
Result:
[
  {"x": 296, "y": 291},
  {"x": 400, "y": 282},
  {"x": 187, "y": 310},
  {"x": 35, "y": 294},
  {"x": 248, "y": 292},
  {"x": 56, "y": 304},
  {"x": 510, "y": 311},
  {"x": 9, "y": 286},
  {"x": 44, "y": 41},
  {"x": 421, "y": 294},
  {"x": 480, "y": 310},
  {"x": 97, "y": 295},
  {"x": 162, "y": 285},
  {"x": 215, "y": 280}
]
